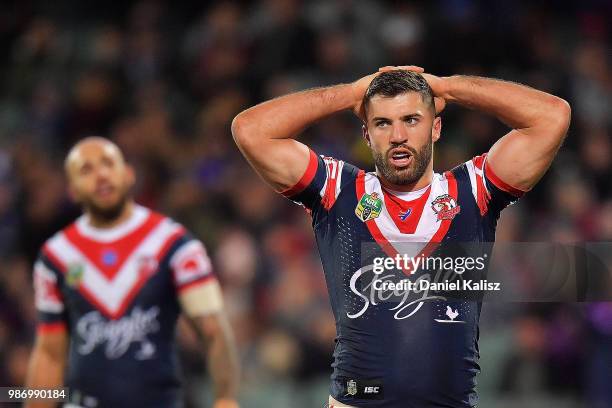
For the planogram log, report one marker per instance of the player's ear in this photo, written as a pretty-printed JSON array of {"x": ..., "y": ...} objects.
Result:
[
  {"x": 366, "y": 135},
  {"x": 436, "y": 129}
]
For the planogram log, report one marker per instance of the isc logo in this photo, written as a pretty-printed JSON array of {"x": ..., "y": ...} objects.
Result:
[{"x": 371, "y": 390}]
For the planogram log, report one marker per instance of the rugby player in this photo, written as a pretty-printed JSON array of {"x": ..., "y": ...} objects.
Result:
[
  {"x": 388, "y": 354},
  {"x": 109, "y": 289}
]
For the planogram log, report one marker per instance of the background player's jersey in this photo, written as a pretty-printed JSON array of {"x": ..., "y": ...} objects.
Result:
[
  {"x": 396, "y": 352},
  {"x": 115, "y": 291}
]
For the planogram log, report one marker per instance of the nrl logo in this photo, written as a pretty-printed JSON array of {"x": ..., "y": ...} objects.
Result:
[
  {"x": 369, "y": 207},
  {"x": 75, "y": 274},
  {"x": 446, "y": 207},
  {"x": 351, "y": 387}
]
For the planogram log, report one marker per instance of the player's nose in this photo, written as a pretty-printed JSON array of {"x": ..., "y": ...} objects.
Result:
[
  {"x": 399, "y": 135},
  {"x": 102, "y": 174}
]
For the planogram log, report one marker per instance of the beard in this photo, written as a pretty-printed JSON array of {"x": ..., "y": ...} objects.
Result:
[
  {"x": 106, "y": 214},
  {"x": 407, "y": 175}
]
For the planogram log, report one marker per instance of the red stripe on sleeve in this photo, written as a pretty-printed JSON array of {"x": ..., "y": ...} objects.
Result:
[
  {"x": 45, "y": 328},
  {"x": 306, "y": 179},
  {"x": 204, "y": 280},
  {"x": 329, "y": 198},
  {"x": 499, "y": 183}
]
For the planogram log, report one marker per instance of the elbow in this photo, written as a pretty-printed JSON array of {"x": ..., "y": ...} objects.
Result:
[
  {"x": 237, "y": 126},
  {"x": 561, "y": 116},
  {"x": 211, "y": 327},
  {"x": 240, "y": 131}
]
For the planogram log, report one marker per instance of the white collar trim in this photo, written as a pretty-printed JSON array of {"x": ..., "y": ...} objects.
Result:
[
  {"x": 407, "y": 195},
  {"x": 138, "y": 217}
]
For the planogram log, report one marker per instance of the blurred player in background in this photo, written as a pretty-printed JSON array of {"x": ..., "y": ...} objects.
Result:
[
  {"x": 109, "y": 290},
  {"x": 384, "y": 358}
]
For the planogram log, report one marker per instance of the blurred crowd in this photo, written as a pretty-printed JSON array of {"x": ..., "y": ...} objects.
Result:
[{"x": 164, "y": 80}]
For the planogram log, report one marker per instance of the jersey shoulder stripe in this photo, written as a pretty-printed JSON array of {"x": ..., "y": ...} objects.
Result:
[
  {"x": 322, "y": 182},
  {"x": 48, "y": 297},
  {"x": 333, "y": 181},
  {"x": 488, "y": 190},
  {"x": 306, "y": 178}
]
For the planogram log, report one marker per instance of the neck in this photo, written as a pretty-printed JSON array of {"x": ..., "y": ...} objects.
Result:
[
  {"x": 123, "y": 216},
  {"x": 422, "y": 182}
]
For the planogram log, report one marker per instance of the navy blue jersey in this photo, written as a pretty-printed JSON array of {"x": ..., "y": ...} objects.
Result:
[
  {"x": 116, "y": 293},
  {"x": 400, "y": 352}
]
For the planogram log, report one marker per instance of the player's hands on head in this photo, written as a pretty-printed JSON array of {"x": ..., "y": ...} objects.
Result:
[
  {"x": 226, "y": 403},
  {"x": 435, "y": 82},
  {"x": 361, "y": 86}
]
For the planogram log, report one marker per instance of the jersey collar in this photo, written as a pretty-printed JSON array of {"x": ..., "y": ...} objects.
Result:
[{"x": 138, "y": 217}]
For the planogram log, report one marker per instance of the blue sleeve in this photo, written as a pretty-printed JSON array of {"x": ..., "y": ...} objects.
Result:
[
  {"x": 48, "y": 296},
  {"x": 189, "y": 263}
]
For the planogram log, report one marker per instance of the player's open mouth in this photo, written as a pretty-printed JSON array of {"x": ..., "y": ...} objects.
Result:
[
  {"x": 400, "y": 157},
  {"x": 105, "y": 190}
]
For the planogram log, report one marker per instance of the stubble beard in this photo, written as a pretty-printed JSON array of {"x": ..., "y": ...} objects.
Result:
[
  {"x": 109, "y": 214},
  {"x": 408, "y": 175}
]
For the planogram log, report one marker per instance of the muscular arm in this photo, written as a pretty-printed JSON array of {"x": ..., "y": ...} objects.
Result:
[
  {"x": 47, "y": 364},
  {"x": 539, "y": 121},
  {"x": 265, "y": 132}
]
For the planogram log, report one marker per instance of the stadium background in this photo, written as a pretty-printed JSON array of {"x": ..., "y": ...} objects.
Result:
[{"x": 164, "y": 80}]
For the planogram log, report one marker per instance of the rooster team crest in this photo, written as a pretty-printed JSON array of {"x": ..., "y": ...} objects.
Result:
[
  {"x": 351, "y": 385},
  {"x": 369, "y": 207},
  {"x": 147, "y": 266},
  {"x": 446, "y": 207},
  {"x": 452, "y": 316}
]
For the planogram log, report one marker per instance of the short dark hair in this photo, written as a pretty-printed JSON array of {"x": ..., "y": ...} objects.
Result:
[{"x": 393, "y": 83}]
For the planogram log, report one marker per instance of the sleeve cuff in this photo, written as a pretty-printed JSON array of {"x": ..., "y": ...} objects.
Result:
[
  {"x": 306, "y": 179},
  {"x": 499, "y": 183},
  {"x": 55, "y": 327},
  {"x": 196, "y": 282}
]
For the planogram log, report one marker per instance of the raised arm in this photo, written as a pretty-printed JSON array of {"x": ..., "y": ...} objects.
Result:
[
  {"x": 265, "y": 133},
  {"x": 539, "y": 121}
]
